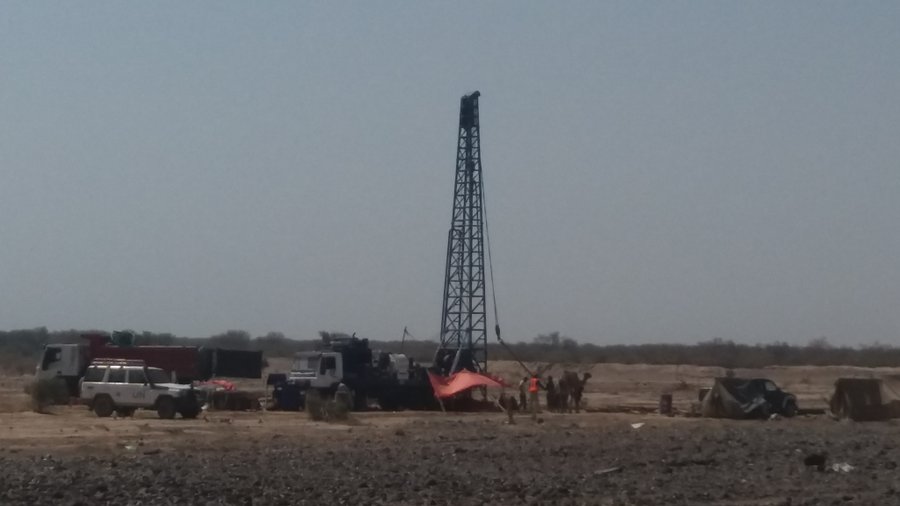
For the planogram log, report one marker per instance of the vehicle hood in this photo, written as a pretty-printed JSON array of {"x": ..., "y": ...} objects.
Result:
[{"x": 173, "y": 386}]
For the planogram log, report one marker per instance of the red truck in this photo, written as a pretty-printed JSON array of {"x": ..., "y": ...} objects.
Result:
[{"x": 186, "y": 363}]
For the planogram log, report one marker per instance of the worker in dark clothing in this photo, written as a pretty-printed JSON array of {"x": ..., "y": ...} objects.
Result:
[
  {"x": 523, "y": 393},
  {"x": 551, "y": 394},
  {"x": 447, "y": 363}
]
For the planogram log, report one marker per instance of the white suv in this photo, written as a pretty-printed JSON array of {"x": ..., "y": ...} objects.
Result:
[{"x": 122, "y": 386}]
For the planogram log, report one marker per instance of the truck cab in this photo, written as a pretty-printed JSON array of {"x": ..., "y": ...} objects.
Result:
[
  {"x": 65, "y": 362},
  {"x": 390, "y": 378},
  {"x": 778, "y": 401},
  {"x": 61, "y": 360},
  {"x": 318, "y": 369}
]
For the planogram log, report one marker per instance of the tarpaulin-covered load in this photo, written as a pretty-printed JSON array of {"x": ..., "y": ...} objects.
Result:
[
  {"x": 730, "y": 398},
  {"x": 747, "y": 398},
  {"x": 864, "y": 399},
  {"x": 448, "y": 386}
]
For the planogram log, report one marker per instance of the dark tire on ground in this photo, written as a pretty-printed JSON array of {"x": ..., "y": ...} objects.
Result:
[
  {"x": 190, "y": 411},
  {"x": 165, "y": 408},
  {"x": 103, "y": 406},
  {"x": 125, "y": 412},
  {"x": 790, "y": 409},
  {"x": 388, "y": 402},
  {"x": 359, "y": 401}
]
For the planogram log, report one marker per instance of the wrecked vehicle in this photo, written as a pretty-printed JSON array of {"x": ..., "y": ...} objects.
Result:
[
  {"x": 866, "y": 399},
  {"x": 747, "y": 398}
]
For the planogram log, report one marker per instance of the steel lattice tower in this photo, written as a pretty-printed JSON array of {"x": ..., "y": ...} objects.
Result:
[{"x": 464, "y": 321}]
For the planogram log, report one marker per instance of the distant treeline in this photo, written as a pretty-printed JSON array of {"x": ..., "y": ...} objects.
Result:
[{"x": 20, "y": 349}]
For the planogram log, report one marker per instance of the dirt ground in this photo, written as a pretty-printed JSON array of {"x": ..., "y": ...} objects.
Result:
[{"x": 258, "y": 458}]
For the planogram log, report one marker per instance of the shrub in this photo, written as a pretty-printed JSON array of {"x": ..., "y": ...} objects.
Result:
[
  {"x": 338, "y": 410},
  {"x": 14, "y": 364},
  {"x": 314, "y": 406},
  {"x": 319, "y": 409}
]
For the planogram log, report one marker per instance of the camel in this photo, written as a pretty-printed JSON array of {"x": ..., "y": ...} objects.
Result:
[{"x": 571, "y": 386}]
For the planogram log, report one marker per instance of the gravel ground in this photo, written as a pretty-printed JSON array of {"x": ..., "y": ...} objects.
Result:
[{"x": 586, "y": 459}]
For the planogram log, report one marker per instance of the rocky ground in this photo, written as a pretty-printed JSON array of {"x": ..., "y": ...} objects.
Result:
[{"x": 429, "y": 458}]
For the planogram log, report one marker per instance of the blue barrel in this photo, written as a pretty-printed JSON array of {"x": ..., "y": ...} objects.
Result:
[{"x": 288, "y": 396}]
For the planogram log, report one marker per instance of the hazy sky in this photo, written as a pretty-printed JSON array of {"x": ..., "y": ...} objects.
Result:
[{"x": 654, "y": 171}]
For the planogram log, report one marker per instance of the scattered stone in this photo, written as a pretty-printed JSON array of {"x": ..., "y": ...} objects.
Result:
[{"x": 472, "y": 464}]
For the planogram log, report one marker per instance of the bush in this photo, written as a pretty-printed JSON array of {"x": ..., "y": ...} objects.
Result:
[
  {"x": 14, "y": 364},
  {"x": 320, "y": 409},
  {"x": 338, "y": 410},
  {"x": 315, "y": 406},
  {"x": 47, "y": 392}
]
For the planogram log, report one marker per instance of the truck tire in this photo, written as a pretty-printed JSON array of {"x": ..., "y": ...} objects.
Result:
[
  {"x": 790, "y": 409},
  {"x": 103, "y": 406},
  {"x": 165, "y": 408},
  {"x": 125, "y": 412},
  {"x": 190, "y": 411},
  {"x": 388, "y": 401},
  {"x": 360, "y": 401}
]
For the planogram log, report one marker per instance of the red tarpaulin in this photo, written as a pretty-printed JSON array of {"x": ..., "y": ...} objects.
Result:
[
  {"x": 461, "y": 381},
  {"x": 220, "y": 383}
]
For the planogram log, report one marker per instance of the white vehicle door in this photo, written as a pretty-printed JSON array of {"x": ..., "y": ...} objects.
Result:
[
  {"x": 156, "y": 377},
  {"x": 138, "y": 390},
  {"x": 92, "y": 383},
  {"x": 330, "y": 371},
  {"x": 117, "y": 386}
]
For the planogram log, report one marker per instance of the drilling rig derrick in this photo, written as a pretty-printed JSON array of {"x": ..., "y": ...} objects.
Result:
[{"x": 463, "y": 338}]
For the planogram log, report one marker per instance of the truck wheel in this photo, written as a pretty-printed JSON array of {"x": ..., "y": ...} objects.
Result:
[
  {"x": 165, "y": 408},
  {"x": 125, "y": 412},
  {"x": 191, "y": 411},
  {"x": 790, "y": 409},
  {"x": 103, "y": 406},
  {"x": 360, "y": 401},
  {"x": 388, "y": 402}
]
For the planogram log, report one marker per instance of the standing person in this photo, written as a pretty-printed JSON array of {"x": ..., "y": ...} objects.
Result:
[
  {"x": 551, "y": 394},
  {"x": 507, "y": 402},
  {"x": 534, "y": 385},
  {"x": 523, "y": 393}
]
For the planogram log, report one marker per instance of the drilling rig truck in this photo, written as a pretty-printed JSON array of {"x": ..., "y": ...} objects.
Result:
[{"x": 393, "y": 380}]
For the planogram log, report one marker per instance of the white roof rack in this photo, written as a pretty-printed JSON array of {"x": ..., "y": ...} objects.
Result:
[{"x": 118, "y": 361}]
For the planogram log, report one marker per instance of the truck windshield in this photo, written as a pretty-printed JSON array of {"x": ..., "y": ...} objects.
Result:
[
  {"x": 51, "y": 355},
  {"x": 306, "y": 364},
  {"x": 158, "y": 376}
]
